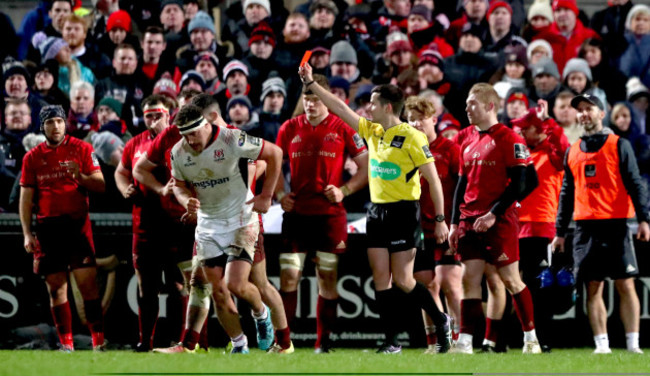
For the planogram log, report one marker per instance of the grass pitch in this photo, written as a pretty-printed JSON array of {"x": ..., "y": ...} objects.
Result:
[{"x": 305, "y": 362}]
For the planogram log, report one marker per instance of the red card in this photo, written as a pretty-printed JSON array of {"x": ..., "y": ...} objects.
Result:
[{"x": 305, "y": 58}]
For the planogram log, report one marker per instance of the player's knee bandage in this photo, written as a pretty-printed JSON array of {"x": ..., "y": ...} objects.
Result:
[
  {"x": 292, "y": 261},
  {"x": 200, "y": 296},
  {"x": 185, "y": 266},
  {"x": 327, "y": 262}
]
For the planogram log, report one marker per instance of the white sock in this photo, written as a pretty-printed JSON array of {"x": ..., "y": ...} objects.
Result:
[
  {"x": 489, "y": 343},
  {"x": 632, "y": 340},
  {"x": 261, "y": 316},
  {"x": 530, "y": 336},
  {"x": 602, "y": 341},
  {"x": 465, "y": 338},
  {"x": 240, "y": 340}
]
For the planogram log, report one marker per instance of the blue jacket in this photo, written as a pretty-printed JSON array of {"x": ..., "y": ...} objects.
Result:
[{"x": 635, "y": 61}]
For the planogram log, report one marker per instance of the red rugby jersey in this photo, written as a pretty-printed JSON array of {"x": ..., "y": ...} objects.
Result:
[
  {"x": 485, "y": 158},
  {"x": 56, "y": 193},
  {"x": 447, "y": 158},
  {"x": 316, "y": 156}
]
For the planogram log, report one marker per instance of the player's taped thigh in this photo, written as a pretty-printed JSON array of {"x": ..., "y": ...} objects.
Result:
[
  {"x": 294, "y": 261},
  {"x": 200, "y": 295},
  {"x": 326, "y": 261}
]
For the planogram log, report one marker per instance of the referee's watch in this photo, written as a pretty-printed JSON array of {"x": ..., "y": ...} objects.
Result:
[{"x": 439, "y": 218}]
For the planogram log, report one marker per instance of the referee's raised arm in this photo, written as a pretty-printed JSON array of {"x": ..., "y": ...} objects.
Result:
[{"x": 333, "y": 103}]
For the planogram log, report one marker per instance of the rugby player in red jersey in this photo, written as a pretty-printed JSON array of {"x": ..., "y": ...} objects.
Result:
[
  {"x": 56, "y": 178},
  {"x": 316, "y": 145},
  {"x": 495, "y": 173}
]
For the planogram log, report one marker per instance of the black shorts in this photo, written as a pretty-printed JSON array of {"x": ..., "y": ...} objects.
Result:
[
  {"x": 604, "y": 248},
  {"x": 395, "y": 226},
  {"x": 434, "y": 254},
  {"x": 66, "y": 243},
  {"x": 309, "y": 233}
]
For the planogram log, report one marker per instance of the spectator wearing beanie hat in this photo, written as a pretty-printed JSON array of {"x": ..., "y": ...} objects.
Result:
[
  {"x": 565, "y": 13},
  {"x": 609, "y": 23},
  {"x": 546, "y": 81},
  {"x": 431, "y": 70},
  {"x": 635, "y": 60},
  {"x": 192, "y": 80},
  {"x": 46, "y": 84},
  {"x": 261, "y": 57},
  {"x": 108, "y": 109},
  {"x": 235, "y": 76},
  {"x": 639, "y": 95},
  {"x": 516, "y": 105},
  {"x": 500, "y": 29},
  {"x": 202, "y": 38},
  {"x": 447, "y": 126},
  {"x": 166, "y": 86},
  {"x": 537, "y": 50},
  {"x": 577, "y": 77},
  {"x": 240, "y": 30},
  {"x": 515, "y": 69},
  {"x": 239, "y": 113},
  {"x": 118, "y": 31},
  {"x": 108, "y": 147},
  {"x": 344, "y": 63},
  {"x": 16, "y": 86},
  {"x": 323, "y": 14},
  {"x": 540, "y": 18},
  {"x": 207, "y": 64},
  {"x": 422, "y": 30},
  {"x": 273, "y": 111}
]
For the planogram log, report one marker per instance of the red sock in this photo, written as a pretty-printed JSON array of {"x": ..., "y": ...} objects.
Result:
[
  {"x": 95, "y": 318},
  {"x": 191, "y": 339},
  {"x": 290, "y": 301},
  {"x": 432, "y": 338},
  {"x": 471, "y": 312},
  {"x": 63, "y": 322},
  {"x": 204, "y": 343},
  {"x": 523, "y": 303},
  {"x": 325, "y": 319},
  {"x": 283, "y": 337},
  {"x": 492, "y": 329}
]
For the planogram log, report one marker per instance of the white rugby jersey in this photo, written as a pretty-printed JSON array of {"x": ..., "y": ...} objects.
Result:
[{"x": 216, "y": 176}]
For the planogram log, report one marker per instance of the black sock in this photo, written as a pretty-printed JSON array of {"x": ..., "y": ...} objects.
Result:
[
  {"x": 421, "y": 296},
  {"x": 385, "y": 304}
]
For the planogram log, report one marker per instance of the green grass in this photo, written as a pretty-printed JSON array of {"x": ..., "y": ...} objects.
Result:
[{"x": 341, "y": 362}]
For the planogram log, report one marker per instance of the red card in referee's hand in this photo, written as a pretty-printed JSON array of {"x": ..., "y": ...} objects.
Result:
[{"x": 305, "y": 58}]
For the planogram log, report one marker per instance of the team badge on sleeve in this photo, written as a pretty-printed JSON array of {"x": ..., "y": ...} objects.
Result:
[
  {"x": 95, "y": 160},
  {"x": 358, "y": 141},
  {"x": 426, "y": 151},
  {"x": 521, "y": 151}
]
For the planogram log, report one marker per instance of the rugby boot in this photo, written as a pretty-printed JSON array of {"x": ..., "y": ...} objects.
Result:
[
  {"x": 277, "y": 349},
  {"x": 265, "y": 335},
  {"x": 176, "y": 349},
  {"x": 443, "y": 332},
  {"x": 387, "y": 348},
  {"x": 531, "y": 347}
]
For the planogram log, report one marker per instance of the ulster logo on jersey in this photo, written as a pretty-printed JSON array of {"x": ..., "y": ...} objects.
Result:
[
  {"x": 242, "y": 139},
  {"x": 218, "y": 155}
]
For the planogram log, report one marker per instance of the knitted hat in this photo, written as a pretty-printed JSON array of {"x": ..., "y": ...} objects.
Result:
[
  {"x": 32, "y": 140},
  {"x": 105, "y": 143},
  {"x": 568, "y": 4},
  {"x": 262, "y": 32},
  {"x": 539, "y": 43},
  {"x": 431, "y": 56},
  {"x": 241, "y": 99},
  {"x": 341, "y": 83},
  {"x": 320, "y": 50},
  {"x": 635, "y": 88},
  {"x": 50, "y": 111},
  {"x": 343, "y": 52},
  {"x": 111, "y": 103},
  {"x": 121, "y": 19},
  {"x": 178, "y": 3},
  {"x": 327, "y": 4},
  {"x": 234, "y": 65},
  {"x": 399, "y": 45},
  {"x": 518, "y": 96},
  {"x": 447, "y": 122},
  {"x": 545, "y": 66},
  {"x": 266, "y": 4},
  {"x": 192, "y": 75},
  {"x": 541, "y": 8},
  {"x": 495, "y": 5},
  {"x": 587, "y": 98},
  {"x": 517, "y": 54},
  {"x": 51, "y": 47},
  {"x": 470, "y": 28},
  {"x": 166, "y": 86},
  {"x": 422, "y": 11},
  {"x": 11, "y": 67},
  {"x": 502, "y": 88},
  {"x": 273, "y": 85},
  {"x": 207, "y": 56},
  {"x": 635, "y": 9},
  {"x": 201, "y": 20},
  {"x": 577, "y": 65}
]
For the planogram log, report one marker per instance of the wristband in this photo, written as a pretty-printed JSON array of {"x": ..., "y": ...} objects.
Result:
[
  {"x": 346, "y": 191},
  {"x": 309, "y": 83}
]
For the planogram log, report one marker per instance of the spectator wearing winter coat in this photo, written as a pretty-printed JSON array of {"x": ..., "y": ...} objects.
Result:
[
  {"x": 82, "y": 117},
  {"x": 546, "y": 82},
  {"x": 577, "y": 77},
  {"x": 261, "y": 57},
  {"x": 474, "y": 12},
  {"x": 273, "y": 112},
  {"x": 540, "y": 18},
  {"x": 46, "y": 84},
  {"x": 609, "y": 23},
  {"x": 635, "y": 60},
  {"x": 202, "y": 38},
  {"x": 75, "y": 32},
  {"x": 605, "y": 75}
]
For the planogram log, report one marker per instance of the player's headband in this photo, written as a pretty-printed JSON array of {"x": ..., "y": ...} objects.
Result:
[
  {"x": 156, "y": 109},
  {"x": 192, "y": 125}
]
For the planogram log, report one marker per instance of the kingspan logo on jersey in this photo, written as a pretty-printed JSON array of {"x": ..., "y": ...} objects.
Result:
[
  {"x": 384, "y": 170},
  {"x": 205, "y": 179}
]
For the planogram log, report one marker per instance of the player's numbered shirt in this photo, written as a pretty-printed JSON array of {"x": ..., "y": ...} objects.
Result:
[
  {"x": 485, "y": 159},
  {"x": 57, "y": 193},
  {"x": 395, "y": 156},
  {"x": 218, "y": 175},
  {"x": 316, "y": 156}
]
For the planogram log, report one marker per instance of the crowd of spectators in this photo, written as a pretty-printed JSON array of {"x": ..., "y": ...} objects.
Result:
[{"x": 100, "y": 63}]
